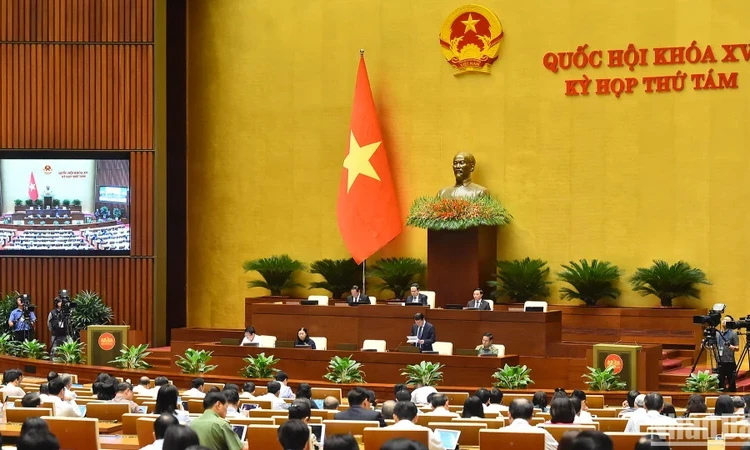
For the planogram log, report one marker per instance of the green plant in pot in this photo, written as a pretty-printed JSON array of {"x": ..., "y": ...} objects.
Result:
[
  {"x": 76, "y": 202},
  {"x": 66, "y": 203},
  {"x": 668, "y": 281},
  {"x": 38, "y": 202},
  {"x": 90, "y": 310},
  {"x": 423, "y": 374},
  {"x": 276, "y": 271},
  {"x": 397, "y": 274},
  {"x": 8, "y": 345},
  {"x": 32, "y": 349},
  {"x": 132, "y": 357},
  {"x": 590, "y": 282},
  {"x": 339, "y": 275},
  {"x": 701, "y": 382},
  {"x": 344, "y": 371},
  {"x": 521, "y": 280},
  {"x": 18, "y": 202},
  {"x": 260, "y": 366},
  {"x": 56, "y": 202},
  {"x": 69, "y": 352},
  {"x": 7, "y": 304},
  {"x": 603, "y": 379},
  {"x": 196, "y": 361},
  {"x": 512, "y": 377}
]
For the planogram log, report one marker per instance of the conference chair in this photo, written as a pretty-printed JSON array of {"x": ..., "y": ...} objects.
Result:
[
  {"x": 129, "y": 421},
  {"x": 500, "y": 349},
  {"x": 373, "y": 299},
  {"x": 535, "y": 304},
  {"x": 507, "y": 398},
  {"x": 263, "y": 437},
  {"x": 144, "y": 427},
  {"x": 78, "y": 433},
  {"x": 352, "y": 427},
  {"x": 250, "y": 420},
  {"x": 107, "y": 410},
  {"x": 281, "y": 420},
  {"x": 267, "y": 341},
  {"x": 557, "y": 430},
  {"x": 595, "y": 401},
  {"x": 456, "y": 398},
  {"x": 611, "y": 424},
  {"x": 19, "y": 415},
  {"x": 374, "y": 438},
  {"x": 492, "y": 424},
  {"x": 711, "y": 401},
  {"x": 322, "y": 299},
  {"x": 430, "y": 298},
  {"x": 735, "y": 440},
  {"x": 627, "y": 441},
  {"x": 322, "y": 393},
  {"x": 195, "y": 406},
  {"x": 443, "y": 348},
  {"x": 604, "y": 412},
  {"x": 376, "y": 344},
  {"x": 499, "y": 439},
  {"x": 208, "y": 386},
  {"x": 321, "y": 343},
  {"x": 469, "y": 431},
  {"x": 267, "y": 413}
]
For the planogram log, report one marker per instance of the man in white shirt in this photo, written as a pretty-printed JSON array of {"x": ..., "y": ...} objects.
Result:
[
  {"x": 640, "y": 408},
  {"x": 405, "y": 413},
  {"x": 419, "y": 395},
  {"x": 583, "y": 410},
  {"x": 233, "y": 400},
  {"x": 124, "y": 394},
  {"x": 62, "y": 407},
  {"x": 143, "y": 386},
  {"x": 654, "y": 403},
  {"x": 629, "y": 403},
  {"x": 496, "y": 403},
  {"x": 440, "y": 406},
  {"x": 250, "y": 337},
  {"x": 196, "y": 389},
  {"x": 521, "y": 411},
  {"x": 12, "y": 379},
  {"x": 161, "y": 424},
  {"x": 158, "y": 383},
  {"x": 580, "y": 417},
  {"x": 286, "y": 391},
  {"x": 273, "y": 395},
  {"x": 248, "y": 390}
]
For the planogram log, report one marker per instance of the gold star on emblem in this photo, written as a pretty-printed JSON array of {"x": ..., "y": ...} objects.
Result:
[
  {"x": 470, "y": 24},
  {"x": 357, "y": 162}
]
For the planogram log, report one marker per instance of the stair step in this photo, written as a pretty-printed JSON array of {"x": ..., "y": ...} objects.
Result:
[
  {"x": 670, "y": 364},
  {"x": 669, "y": 353}
]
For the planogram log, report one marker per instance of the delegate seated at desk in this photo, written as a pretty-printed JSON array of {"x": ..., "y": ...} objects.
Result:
[
  {"x": 357, "y": 298},
  {"x": 486, "y": 348},
  {"x": 415, "y": 296},
  {"x": 250, "y": 337},
  {"x": 424, "y": 331},
  {"x": 304, "y": 339},
  {"x": 478, "y": 302}
]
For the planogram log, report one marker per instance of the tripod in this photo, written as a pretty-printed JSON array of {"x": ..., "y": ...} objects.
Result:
[
  {"x": 708, "y": 342},
  {"x": 744, "y": 354}
]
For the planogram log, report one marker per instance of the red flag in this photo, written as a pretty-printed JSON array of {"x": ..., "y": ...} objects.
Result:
[
  {"x": 367, "y": 209},
  {"x": 33, "y": 193}
]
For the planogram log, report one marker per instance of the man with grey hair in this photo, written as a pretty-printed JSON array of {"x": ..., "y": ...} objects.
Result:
[
  {"x": 331, "y": 403},
  {"x": 387, "y": 409},
  {"x": 653, "y": 404},
  {"x": 639, "y": 404}
]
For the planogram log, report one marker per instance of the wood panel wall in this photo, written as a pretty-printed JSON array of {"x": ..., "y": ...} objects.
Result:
[{"x": 78, "y": 75}]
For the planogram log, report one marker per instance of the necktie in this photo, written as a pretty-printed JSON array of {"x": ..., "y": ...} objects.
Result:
[
  {"x": 419, "y": 336},
  {"x": 356, "y": 300}
]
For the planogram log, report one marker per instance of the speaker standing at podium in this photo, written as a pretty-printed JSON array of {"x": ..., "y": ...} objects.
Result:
[
  {"x": 727, "y": 342},
  {"x": 424, "y": 331}
]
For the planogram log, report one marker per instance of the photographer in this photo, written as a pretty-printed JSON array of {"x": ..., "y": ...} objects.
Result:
[
  {"x": 22, "y": 319},
  {"x": 727, "y": 342},
  {"x": 57, "y": 324}
]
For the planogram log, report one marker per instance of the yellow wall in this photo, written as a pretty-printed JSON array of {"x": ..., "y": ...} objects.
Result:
[{"x": 270, "y": 86}]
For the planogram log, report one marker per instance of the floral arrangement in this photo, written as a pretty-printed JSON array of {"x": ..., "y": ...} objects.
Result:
[{"x": 436, "y": 213}]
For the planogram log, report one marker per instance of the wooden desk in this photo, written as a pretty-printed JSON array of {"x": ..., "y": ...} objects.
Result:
[
  {"x": 378, "y": 367},
  {"x": 528, "y": 334},
  {"x": 119, "y": 442}
]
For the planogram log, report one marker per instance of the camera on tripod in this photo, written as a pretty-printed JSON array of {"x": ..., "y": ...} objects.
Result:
[
  {"x": 26, "y": 305},
  {"x": 742, "y": 322},
  {"x": 713, "y": 318},
  {"x": 67, "y": 304}
]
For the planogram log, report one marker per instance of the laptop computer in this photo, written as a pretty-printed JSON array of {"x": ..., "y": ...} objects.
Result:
[
  {"x": 309, "y": 302},
  {"x": 251, "y": 344},
  {"x": 319, "y": 430},
  {"x": 345, "y": 346},
  {"x": 465, "y": 352},
  {"x": 229, "y": 341},
  {"x": 302, "y": 346},
  {"x": 429, "y": 352},
  {"x": 249, "y": 406},
  {"x": 449, "y": 438},
  {"x": 318, "y": 402},
  {"x": 240, "y": 431},
  {"x": 413, "y": 304},
  {"x": 454, "y": 306},
  {"x": 284, "y": 344}
]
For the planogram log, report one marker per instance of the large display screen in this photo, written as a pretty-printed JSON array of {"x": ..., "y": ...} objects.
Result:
[{"x": 65, "y": 205}]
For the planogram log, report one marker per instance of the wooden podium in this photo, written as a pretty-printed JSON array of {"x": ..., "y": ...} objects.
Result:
[
  {"x": 624, "y": 358},
  {"x": 459, "y": 262},
  {"x": 104, "y": 343}
]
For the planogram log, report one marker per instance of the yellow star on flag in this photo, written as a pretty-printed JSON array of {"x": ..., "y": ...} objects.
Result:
[
  {"x": 470, "y": 24},
  {"x": 357, "y": 162}
]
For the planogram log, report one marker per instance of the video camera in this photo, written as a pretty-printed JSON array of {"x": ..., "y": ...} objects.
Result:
[
  {"x": 26, "y": 305},
  {"x": 67, "y": 303},
  {"x": 712, "y": 319},
  {"x": 742, "y": 322}
]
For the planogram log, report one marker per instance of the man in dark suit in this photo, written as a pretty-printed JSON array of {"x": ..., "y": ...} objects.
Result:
[
  {"x": 357, "y": 298},
  {"x": 359, "y": 407},
  {"x": 424, "y": 331},
  {"x": 415, "y": 296},
  {"x": 479, "y": 302}
]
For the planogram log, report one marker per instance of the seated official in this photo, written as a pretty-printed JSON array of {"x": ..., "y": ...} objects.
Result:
[
  {"x": 272, "y": 394},
  {"x": 359, "y": 407},
  {"x": 440, "y": 406},
  {"x": 304, "y": 339},
  {"x": 124, "y": 394},
  {"x": 331, "y": 403},
  {"x": 197, "y": 388},
  {"x": 250, "y": 337},
  {"x": 357, "y": 298},
  {"x": 478, "y": 302},
  {"x": 424, "y": 331},
  {"x": 248, "y": 390},
  {"x": 415, "y": 296},
  {"x": 521, "y": 411},
  {"x": 486, "y": 348},
  {"x": 406, "y": 415}
]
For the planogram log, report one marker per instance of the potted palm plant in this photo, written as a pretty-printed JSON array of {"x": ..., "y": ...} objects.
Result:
[
  {"x": 590, "y": 282},
  {"x": 396, "y": 274},
  {"x": 344, "y": 370},
  {"x": 276, "y": 272},
  {"x": 90, "y": 310},
  {"x": 339, "y": 275},
  {"x": 423, "y": 374},
  {"x": 260, "y": 366},
  {"x": 668, "y": 282},
  {"x": 29, "y": 202},
  {"x": 521, "y": 280}
]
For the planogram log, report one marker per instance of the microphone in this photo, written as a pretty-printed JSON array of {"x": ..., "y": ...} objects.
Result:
[{"x": 397, "y": 347}]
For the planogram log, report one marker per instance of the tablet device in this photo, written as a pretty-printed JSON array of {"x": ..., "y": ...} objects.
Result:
[
  {"x": 249, "y": 406},
  {"x": 414, "y": 304},
  {"x": 77, "y": 385},
  {"x": 449, "y": 438},
  {"x": 143, "y": 409},
  {"x": 185, "y": 405},
  {"x": 302, "y": 346},
  {"x": 82, "y": 410},
  {"x": 319, "y": 430},
  {"x": 240, "y": 431},
  {"x": 10, "y": 404},
  {"x": 318, "y": 402}
]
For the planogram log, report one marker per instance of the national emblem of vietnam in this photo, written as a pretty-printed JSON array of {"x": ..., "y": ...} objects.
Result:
[{"x": 470, "y": 39}]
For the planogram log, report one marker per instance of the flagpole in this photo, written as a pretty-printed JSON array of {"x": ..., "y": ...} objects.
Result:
[{"x": 364, "y": 263}]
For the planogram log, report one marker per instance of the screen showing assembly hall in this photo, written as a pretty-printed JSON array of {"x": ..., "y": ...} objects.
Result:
[{"x": 64, "y": 206}]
